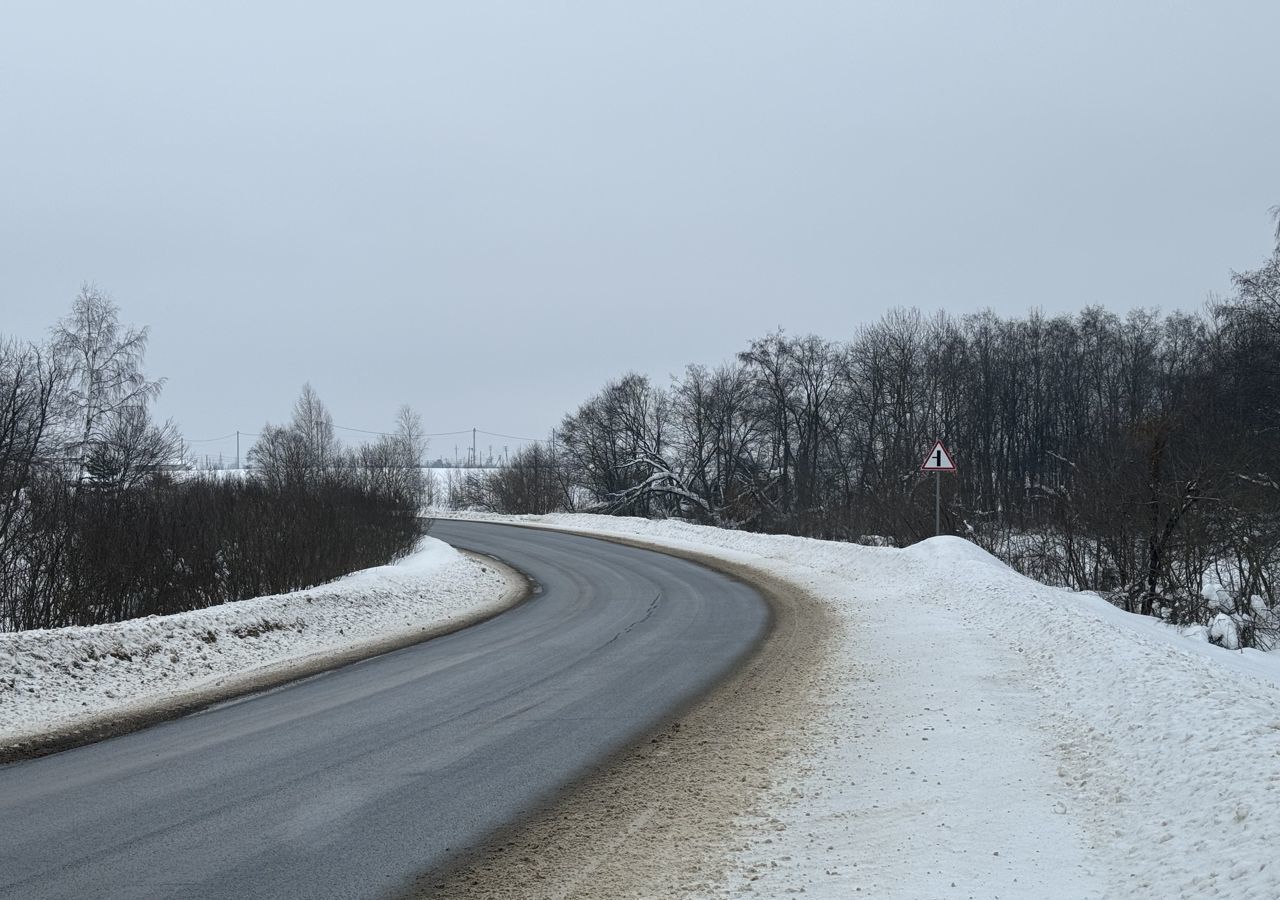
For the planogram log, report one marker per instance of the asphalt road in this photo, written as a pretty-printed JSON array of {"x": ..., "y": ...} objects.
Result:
[{"x": 352, "y": 783}]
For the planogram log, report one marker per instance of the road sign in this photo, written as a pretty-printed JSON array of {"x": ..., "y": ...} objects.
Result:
[{"x": 938, "y": 460}]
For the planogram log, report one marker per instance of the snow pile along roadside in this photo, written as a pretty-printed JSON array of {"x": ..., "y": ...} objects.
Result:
[
  {"x": 983, "y": 735},
  {"x": 60, "y": 678}
]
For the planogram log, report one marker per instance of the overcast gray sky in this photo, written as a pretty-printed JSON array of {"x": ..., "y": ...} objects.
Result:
[{"x": 485, "y": 210}]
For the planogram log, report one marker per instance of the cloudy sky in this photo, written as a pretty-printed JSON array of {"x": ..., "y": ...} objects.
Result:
[{"x": 485, "y": 210}]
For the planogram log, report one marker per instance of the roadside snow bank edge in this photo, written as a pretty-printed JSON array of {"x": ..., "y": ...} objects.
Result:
[{"x": 65, "y": 687}]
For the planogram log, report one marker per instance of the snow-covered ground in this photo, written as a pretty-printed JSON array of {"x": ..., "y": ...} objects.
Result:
[
  {"x": 979, "y": 735},
  {"x": 58, "y": 678},
  {"x": 985, "y": 736}
]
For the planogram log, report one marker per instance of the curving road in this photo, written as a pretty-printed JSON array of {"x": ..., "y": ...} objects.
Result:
[{"x": 352, "y": 783}]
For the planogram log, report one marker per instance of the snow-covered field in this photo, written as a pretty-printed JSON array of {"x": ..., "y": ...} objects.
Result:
[
  {"x": 985, "y": 736},
  {"x": 59, "y": 678}
]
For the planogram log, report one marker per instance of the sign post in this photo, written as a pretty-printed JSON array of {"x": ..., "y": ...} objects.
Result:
[{"x": 937, "y": 462}]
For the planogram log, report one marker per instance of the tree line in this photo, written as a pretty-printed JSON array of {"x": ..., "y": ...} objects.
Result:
[
  {"x": 1125, "y": 454},
  {"x": 101, "y": 521}
]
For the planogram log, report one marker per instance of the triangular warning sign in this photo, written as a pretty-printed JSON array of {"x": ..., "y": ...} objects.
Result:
[{"x": 938, "y": 460}]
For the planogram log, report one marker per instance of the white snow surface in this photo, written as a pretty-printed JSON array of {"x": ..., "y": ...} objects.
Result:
[
  {"x": 985, "y": 736},
  {"x": 56, "y": 678}
]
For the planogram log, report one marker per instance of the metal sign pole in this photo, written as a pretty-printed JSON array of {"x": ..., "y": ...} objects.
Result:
[{"x": 937, "y": 462}]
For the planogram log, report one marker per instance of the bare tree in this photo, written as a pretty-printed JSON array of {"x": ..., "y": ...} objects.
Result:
[
  {"x": 411, "y": 454},
  {"x": 304, "y": 450},
  {"x": 391, "y": 466},
  {"x": 313, "y": 424},
  {"x": 279, "y": 456},
  {"x": 132, "y": 449},
  {"x": 102, "y": 361},
  {"x": 28, "y": 396},
  {"x": 530, "y": 483}
]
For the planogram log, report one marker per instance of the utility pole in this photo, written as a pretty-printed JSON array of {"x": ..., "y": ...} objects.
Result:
[
  {"x": 474, "y": 461},
  {"x": 237, "y": 448}
]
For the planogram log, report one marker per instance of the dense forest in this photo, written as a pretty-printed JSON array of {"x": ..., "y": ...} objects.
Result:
[
  {"x": 1135, "y": 454},
  {"x": 101, "y": 520}
]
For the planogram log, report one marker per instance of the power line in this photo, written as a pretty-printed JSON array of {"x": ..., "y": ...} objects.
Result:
[
  {"x": 393, "y": 433},
  {"x": 514, "y": 437},
  {"x": 225, "y": 437},
  {"x": 364, "y": 430},
  {"x": 211, "y": 440}
]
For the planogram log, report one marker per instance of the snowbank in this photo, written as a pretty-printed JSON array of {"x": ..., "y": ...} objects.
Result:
[
  {"x": 987, "y": 736},
  {"x": 57, "y": 678}
]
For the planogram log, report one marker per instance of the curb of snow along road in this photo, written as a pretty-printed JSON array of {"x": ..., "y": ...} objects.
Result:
[{"x": 61, "y": 688}]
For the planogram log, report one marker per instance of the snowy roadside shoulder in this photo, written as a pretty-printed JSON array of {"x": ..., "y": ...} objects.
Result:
[
  {"x": 983, "y": 735},
  {"x": 59, "y": 687}
]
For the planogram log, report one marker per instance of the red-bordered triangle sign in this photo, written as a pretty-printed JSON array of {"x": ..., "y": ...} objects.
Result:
[{"x": 938, "y": 460}]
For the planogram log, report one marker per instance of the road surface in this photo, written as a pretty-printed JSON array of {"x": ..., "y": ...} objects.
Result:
[{"x": 351, "y": 783}]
